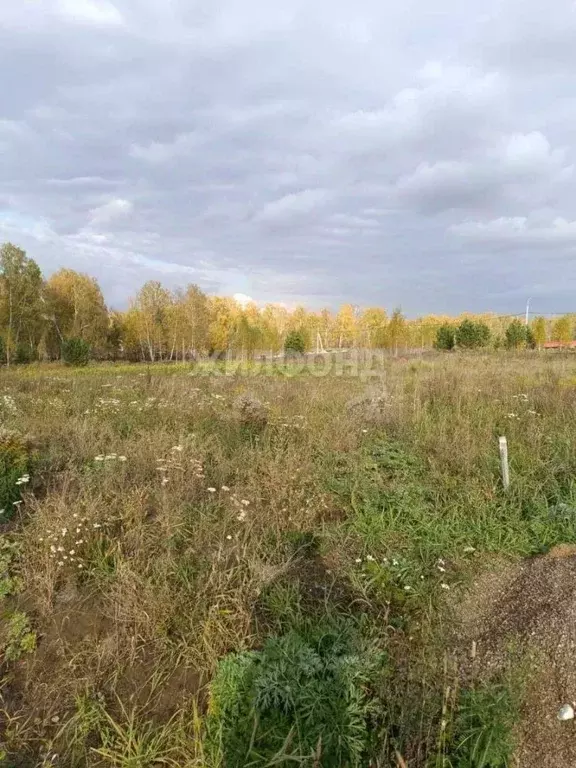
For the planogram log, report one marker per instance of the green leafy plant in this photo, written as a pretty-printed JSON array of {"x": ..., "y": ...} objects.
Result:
[
  {"x": 472, "y": 335},
  {"x": 9, "y": 584},
  {"x": 14, "y": 466},
  {"x": 445, "y": 337},
  {"x": 304, "y": 698},
  {"x": 295, "y": 343},
  {"x": 483, "y": 736},
  {"x": 76, "y": 352},
  {"x": 23, "y": 354},
  {"x": 19, "y": 638},
  {"x": 519, "y": 336}
]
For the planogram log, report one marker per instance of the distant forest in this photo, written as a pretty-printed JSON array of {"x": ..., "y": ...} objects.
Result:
[{"x": 39, "y": 316}]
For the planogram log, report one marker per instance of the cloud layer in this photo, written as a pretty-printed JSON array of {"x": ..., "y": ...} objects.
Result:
[{"x": 419, "y": 155}]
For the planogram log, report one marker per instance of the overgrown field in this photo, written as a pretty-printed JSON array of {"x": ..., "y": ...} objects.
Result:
[{"x": 265, "y": 570}]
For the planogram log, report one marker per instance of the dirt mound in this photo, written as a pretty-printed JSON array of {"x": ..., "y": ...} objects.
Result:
[{"x": 526, "y": 613}]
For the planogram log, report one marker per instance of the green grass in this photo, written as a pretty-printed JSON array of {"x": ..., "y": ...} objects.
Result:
[
  {"x": 484, "y": 727},
  {"x": 180, "y": 618}
]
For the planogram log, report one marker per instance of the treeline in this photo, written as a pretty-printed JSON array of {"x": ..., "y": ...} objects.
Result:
[{"x": 39, "y": 318}]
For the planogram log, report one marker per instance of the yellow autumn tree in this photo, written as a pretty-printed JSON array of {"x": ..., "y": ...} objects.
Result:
[
  {"x": 538, "y": 328},
  {"x": 75, "y": 308}
]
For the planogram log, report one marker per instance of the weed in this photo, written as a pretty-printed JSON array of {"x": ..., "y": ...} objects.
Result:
[
  {"x": 232, "y": 539},
  {"x": 483, "y": 728},
  {"x": 14, "y": 468},
  {"x": 9, "y": 583},
  {"x": 303, "y": 698},
  {"x": 18, "y": 637}
]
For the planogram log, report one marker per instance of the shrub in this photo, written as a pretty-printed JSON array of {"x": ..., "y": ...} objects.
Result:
[
  {"x": 23, "y": 354},
  {"x": 14, "y": 463},
  {"x": 471, "y": 335},
  {"x": 251, "y": 412},
  {"x": 445, "y": 337},
  {"x": 76, "y": 352},
  {"x": 518, "y": 335},
  {"x": 303, "y": 699},
  {"x": 295, "y": 343}
]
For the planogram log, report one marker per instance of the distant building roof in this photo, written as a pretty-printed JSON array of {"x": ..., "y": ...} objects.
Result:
[{"x": 559, "y": 345}]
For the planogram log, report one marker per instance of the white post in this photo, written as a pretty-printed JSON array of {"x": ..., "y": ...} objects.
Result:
[{"x": 504, "y": 462}]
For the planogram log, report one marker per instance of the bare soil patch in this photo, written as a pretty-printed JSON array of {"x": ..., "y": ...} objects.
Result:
[{"x": 526, "y": 613}]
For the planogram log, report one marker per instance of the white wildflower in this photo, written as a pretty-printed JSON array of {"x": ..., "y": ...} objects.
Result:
[
  {"x": 444, "y": 586},
  {"x": 225, "y": 488},
  {"x": 211, "y": 490}
]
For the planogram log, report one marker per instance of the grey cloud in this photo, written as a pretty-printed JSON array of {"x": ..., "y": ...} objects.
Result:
[
  {"x": 520, "y": 230},
  {"x": 292, "y": 152}
]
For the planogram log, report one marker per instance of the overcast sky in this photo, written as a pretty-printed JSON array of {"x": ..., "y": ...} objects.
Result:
[{"x": 319, "y": 151}]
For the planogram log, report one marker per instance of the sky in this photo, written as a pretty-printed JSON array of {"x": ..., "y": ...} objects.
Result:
[{"x": 416, "y": 153}]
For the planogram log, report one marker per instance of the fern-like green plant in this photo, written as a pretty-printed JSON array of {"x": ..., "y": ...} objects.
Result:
[{"x": 305, "y": 698}]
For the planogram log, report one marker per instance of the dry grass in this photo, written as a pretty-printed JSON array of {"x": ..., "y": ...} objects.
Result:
[{"x": 183, "y": 543}]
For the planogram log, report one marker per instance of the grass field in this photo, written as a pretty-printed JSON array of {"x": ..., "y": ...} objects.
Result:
[{"x": 263, "y": 570}]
